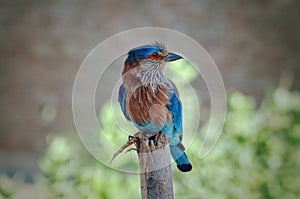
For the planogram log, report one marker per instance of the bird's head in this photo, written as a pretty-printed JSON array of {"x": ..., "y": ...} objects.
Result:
[{"x": 155, "y": 54}]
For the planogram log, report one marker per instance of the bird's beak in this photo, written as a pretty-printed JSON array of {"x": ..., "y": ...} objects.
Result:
[{"x": 172, "y": 57}]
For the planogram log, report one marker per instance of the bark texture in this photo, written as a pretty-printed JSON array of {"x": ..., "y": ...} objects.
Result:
[{"x": 155, "y": 168}]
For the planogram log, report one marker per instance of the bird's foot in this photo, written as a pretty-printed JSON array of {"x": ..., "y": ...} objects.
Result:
[
  {"x": 131, "y": 140},
  {"x": 155, "y": 138}
]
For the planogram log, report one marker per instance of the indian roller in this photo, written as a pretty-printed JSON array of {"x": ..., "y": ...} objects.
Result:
[{"x": 150, "y": 100}]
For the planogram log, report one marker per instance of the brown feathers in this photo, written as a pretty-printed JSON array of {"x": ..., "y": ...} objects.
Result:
[{"x": 144, "y": 105}]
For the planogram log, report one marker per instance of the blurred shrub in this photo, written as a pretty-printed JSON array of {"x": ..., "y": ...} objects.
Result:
[
  {"x": 257, "y": 156},
  {"x": 73, "y": 173},
  {"x": 7, "y": 186}
]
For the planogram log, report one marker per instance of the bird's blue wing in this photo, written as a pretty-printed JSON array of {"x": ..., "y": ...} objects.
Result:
[
  {"x": 122, "y": 101},
  {"x": 177, "y": 148},
  {"x": 175, "y": 108}
]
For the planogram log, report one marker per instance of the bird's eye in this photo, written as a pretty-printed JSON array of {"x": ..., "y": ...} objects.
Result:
[{"x": 155, "y": 55}]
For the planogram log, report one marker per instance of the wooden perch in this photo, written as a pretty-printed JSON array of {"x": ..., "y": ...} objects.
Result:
[
  {"x": 155, "y": 168},
  {"x": 155, "y": 165}
]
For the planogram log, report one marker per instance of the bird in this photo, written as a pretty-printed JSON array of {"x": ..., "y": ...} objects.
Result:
[{"x": 150, "y": 100}]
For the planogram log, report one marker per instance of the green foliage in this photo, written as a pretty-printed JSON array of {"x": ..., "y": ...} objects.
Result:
[
  {"x": 75, "y": 174},
  {"x": 257, "y": 156},
  {"x": 7, "y": 187}
]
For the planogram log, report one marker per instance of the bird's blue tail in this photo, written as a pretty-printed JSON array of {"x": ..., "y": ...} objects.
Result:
[{"x": 182, "y": 161}]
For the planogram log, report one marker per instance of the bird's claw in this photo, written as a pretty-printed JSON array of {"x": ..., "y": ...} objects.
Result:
[
  {"x": 153, "y": 141},
  {"x": 131, "y": 140},
  {"x": 155, "y": 138}
]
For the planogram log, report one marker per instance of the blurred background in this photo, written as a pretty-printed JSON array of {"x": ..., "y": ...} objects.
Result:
[{"x": 255, "y": 44}]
